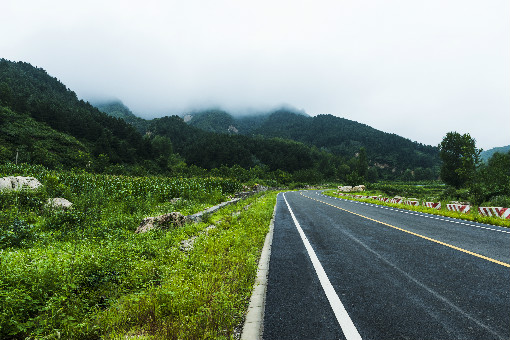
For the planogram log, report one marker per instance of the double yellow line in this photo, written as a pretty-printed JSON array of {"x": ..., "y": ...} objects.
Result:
[{"x": 415, "y": 234}]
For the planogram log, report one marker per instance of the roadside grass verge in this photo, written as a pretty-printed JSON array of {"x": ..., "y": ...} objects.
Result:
[
  {"x": 202, "y": 293},
  {"x": 83, "y": 273},
  {"x": 471, "y": 216}
]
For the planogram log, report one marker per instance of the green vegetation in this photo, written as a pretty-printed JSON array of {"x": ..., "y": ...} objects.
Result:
[
  {"x": 481, "y": 184},
  {"x": 460, "y": 158},
  {"x": 486, "y": 154},
  {"x": 45, "y": 123},
  {"x": 473, "y": 215},
  {"x": 83, "y": 273},
  {"x": 390, "y": 154},
  {"x": 24, "y": 139}
]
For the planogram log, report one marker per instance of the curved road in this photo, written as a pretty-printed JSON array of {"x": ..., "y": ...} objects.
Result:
[{"x": 348, "y": 270}]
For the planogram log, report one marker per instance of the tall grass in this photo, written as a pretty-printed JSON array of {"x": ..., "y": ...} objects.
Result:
[{"x": 83, "y": 273}]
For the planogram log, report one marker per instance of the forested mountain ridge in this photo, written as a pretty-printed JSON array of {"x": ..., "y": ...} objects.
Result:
[
  {"x": 345, "y": 137},
  {"x": 337, "y": 135},
  {"x": 29, "y": 94},
  {"x": 487, "y": 154},
  {"x": 43, "y": 122},
  {"x": 340, "y": 136},
  {"x": 117, "y": 109}
]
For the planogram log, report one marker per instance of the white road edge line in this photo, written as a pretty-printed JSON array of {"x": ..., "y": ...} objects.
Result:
[{"x": 348, "y": 328}]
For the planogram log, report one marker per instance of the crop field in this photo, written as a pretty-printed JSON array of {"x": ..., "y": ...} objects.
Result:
[{"x": 82, "y": 273}]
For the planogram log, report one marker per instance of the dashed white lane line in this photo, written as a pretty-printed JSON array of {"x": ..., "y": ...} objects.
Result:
[
  {"x": 422, "y": 215},
  {"x": 348, "y": 328}
]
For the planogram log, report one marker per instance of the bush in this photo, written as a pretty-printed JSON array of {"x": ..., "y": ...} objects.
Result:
[{"x": 15, "y": 233}]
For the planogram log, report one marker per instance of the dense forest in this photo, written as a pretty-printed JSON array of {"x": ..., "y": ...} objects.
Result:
[
  {"x": 389, "y": 156},
  {"x": 44, "y": 122},
  {"x": 339, "y": 136}
]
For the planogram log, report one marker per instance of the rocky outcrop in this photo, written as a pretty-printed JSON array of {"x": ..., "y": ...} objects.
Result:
[
  {"x": 12, "y": 183},
  {"x": 167, "y": 221}
]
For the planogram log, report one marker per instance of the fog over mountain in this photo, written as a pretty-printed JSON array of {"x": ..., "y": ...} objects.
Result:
[{"x": 415, "y": 68}]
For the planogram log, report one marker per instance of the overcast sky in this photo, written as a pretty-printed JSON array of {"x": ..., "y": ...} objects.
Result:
[{"x": 417, "y": 68}]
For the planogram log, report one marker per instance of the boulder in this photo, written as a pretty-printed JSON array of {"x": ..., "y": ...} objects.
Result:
[
  {"x": 171, "y": 220},
  {"x": 346, "y": 188},
  {"x": 58, "y": 202},
  {"x": 359, "y": 188},
  {"x": 12, "y": 183},
  {"x": 259, "y": 187}
]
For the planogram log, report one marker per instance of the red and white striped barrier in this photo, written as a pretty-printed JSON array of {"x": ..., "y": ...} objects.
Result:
[
  {"x": 383, "y": 199},
  {"x": 408, "y": 202},
  {"x": 459, "y": 207},
  {"x": 373, "y": 197},
  {"x": 396, "y": 200},
  {"x": 495, "y": 211},
  {"x": 433, "y": 205}
]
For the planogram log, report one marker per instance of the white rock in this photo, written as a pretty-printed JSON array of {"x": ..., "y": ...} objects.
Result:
[
  {"x": 346, "y": 188},
  {"x": 12, "y": 183},
  {"x": 58, "y": 202}
]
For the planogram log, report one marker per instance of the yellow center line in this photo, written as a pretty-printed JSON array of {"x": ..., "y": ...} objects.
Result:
[{"x": 415, "y": 234}]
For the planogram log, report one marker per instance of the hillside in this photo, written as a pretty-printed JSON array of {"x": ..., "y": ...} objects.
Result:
[
  {"x": 30, "y": 96},
  {"x": 23, "y": 139},
  {"x": 117, "y": 109},
  {"x": 44, "y": 122},
  {"x": 345, "y": 137},
  {"x": 213, "y": 121},
  {"x": 486, "y": 155},
  {"x": 339, "y": 136},
  {"x": 212, "y": 138}
]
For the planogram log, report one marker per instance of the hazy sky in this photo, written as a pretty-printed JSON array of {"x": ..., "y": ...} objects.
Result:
[{"x": 417, "y": 68}]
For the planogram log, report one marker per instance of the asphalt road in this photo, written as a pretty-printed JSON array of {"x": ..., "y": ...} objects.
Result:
[{"x": 380, "y": 273}]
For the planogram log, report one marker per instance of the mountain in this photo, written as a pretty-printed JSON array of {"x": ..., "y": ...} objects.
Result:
[
  {"x": 486, "y": 155},
  {"x": 117, "y": 109},
  {"x": 43, "y": 122},
  {"x": 214, "y": 137},
  {"x": 212, "y": 150},
  {"x": 345, "y": 137},
  {"x": 213, "y": 121},
  {"x": 34, "y": 101},
  {"x": 339, "y": 136}
]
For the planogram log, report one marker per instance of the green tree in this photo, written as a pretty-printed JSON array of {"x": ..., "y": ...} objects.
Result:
[
  {"x": 362, "y": 164},
  {"x": 460, "y": 159},
  {"x": 407, "y": 175},
  {"x": 372, "y": 175}
]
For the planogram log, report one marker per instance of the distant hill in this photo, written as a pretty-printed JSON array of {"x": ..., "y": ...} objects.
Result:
[
  {"x": 117, "y": 109},
  {"x": 213, "y": 121},
  {"x": 34, "y": 101},
  {"x": 339, "y": 136},
  {"x": 344, "y": 138},
  {"x": 43, "y": 122},
  {"x": 485, "y": 155}
]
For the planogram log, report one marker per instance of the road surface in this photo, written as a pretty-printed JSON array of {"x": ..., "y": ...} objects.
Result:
[{"x": 341, "y": 269}]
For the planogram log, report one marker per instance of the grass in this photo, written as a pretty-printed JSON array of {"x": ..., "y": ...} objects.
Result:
[
  {"x": 84, "y": 274},
  {"x": 473, "y": 215},
  {"x": 203, "y": 293}
]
